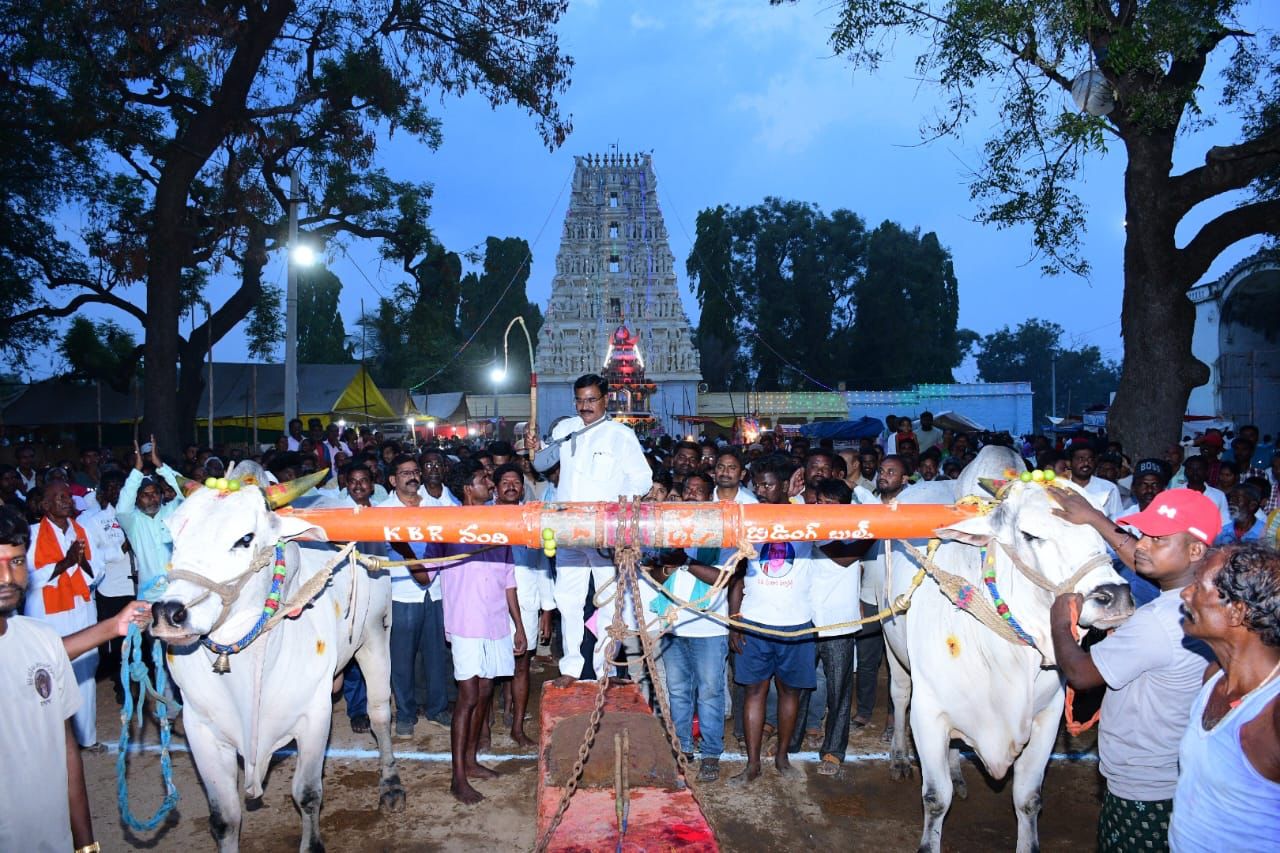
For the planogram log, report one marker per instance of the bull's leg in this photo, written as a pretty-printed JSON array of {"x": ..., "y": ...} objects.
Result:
[
  {"x": 308, "y": 776},
  {"x": 932, "y": 735},
  {"x": 220, "y": 774},
  {"x": 900, "y": 690},
  {"x": 375, "y": 662},
  {"x": 957, "y": 775},
  {"x": 1028, "y": 775}
]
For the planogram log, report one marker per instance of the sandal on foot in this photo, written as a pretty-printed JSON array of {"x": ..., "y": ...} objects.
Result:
[{"x": 829, "y": 766}]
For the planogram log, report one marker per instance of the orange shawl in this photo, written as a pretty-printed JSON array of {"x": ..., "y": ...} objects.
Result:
[{"x": 60, "y": 596}]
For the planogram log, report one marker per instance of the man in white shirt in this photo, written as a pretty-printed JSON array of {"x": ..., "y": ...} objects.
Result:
[
  {"x": 295, "y": 435},
  {"x": 928, "y": 435},
  {"x": 728, "y": 473},
  {"x": 1196, "y": 470},
  {"x": 535, "y": 594},
  {"x": 1103, "y": 494},
  {"x": 600, "y": 460},
  {"x": 417, "y": 615},
  {"x": 115, "y": 588}
]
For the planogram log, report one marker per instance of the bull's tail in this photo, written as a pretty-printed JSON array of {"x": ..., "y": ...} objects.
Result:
[{"x": 253, "y": 774}]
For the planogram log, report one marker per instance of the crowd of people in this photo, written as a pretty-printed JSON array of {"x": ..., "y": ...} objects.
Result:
[{"x": 1194, "y": 534}]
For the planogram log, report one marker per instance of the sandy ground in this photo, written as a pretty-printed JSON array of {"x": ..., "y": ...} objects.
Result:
[{"x": 861, "y": 807}]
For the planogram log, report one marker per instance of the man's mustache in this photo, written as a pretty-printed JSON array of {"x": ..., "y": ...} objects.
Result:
[{"x": 11, "y": 589}]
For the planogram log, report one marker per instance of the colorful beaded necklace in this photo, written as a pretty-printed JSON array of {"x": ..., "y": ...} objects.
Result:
[
  {"x": 269, "y": 608},
  {"x": 989, "y": 578}
]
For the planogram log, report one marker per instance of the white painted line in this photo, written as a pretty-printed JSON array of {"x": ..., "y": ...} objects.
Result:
[{"x": 445, "y": 758}]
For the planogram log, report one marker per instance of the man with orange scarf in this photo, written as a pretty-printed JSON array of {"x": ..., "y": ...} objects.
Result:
[{"x": 59, "y": 593}]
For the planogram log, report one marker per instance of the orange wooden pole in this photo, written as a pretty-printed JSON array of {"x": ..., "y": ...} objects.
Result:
[{"x": 612, "y": 525}]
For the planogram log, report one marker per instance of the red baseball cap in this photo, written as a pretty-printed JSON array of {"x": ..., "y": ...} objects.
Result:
[{"x": 1178, "y": 511}]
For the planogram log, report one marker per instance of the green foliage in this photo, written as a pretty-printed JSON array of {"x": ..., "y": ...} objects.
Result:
[
  {"x": 1028, "y": 52},
  {"x": 322, "y": 338},
  {"x": 173, "y": 128},
  {"x": 1028, "y": 353},
  {"x": 100, "y": 352},
  {"x": 785, "y": 288},
  {"x": 266, "y": 327}
]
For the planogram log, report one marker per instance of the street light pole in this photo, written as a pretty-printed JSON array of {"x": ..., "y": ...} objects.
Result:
[
  {"x": 291, "y": 310},
  {"x": 497, "y": 375}
]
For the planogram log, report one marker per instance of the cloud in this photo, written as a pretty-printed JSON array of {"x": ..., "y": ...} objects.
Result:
[
  {"x": 794, "y": 109},
  {"x": 641, "y": 21}
]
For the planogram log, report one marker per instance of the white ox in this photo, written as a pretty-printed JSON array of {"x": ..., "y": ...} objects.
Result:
[
  {"x": 957, "y": 677},
  {"x": 278, "y": 687}
]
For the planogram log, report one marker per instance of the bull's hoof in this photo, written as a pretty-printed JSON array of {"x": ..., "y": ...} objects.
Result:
[
  {"x": 900, "y": 769},
  {"x": 960, "y": 789},
  {"x": 391, "y": 801}
]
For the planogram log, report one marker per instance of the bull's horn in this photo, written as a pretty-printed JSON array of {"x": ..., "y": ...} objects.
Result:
[
  {"x": 187, "y": 485},
  {"x": 992, "y": 486},
  {"x": 283, "y": 494}
]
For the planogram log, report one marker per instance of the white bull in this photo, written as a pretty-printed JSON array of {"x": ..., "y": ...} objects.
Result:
[
  {"x": 957, "y": 678},
  {"x": 278, "y": 687}
]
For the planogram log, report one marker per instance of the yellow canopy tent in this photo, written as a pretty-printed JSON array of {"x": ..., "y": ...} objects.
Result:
[{"x": 243, "y": 391}]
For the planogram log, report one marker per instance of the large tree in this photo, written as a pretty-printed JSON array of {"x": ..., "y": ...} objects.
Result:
[
  {"x": 1033, "y": 352},
  {"x": 322, "y": 336},
  {"x": 1149, "y": 56},
  {"x": 791, "y": 295},
  {"x": 907, "y": 303},
  {"x": 490, "y": 299},
  {"x": 180, "y": 122}
]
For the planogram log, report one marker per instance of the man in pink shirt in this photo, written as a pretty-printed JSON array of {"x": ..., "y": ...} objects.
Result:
[{"x": 479, "y": 594}]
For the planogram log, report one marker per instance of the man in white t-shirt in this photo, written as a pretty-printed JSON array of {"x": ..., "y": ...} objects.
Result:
[
  {"x": 43, "y": 802},
  {"x": 928, "y": 435},
  {"x": 1103, "y": 494},
  {"x": 600, "y": 460},
  {"x": 1152, "y": 674}
]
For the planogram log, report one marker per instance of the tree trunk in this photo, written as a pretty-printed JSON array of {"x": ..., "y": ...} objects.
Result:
[
  {"x": 168, "y": 248},
  {"x": 1157, "y": 318}
]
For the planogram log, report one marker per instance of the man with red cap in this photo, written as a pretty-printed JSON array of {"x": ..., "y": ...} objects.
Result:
[{"x": 1152, "y": 674}]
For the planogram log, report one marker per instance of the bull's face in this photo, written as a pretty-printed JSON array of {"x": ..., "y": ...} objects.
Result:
[
  {"x": 217, "y": 535},
  {"x": 1025, "y": 524}
]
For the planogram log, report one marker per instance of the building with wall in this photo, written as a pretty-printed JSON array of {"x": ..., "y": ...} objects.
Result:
[{"x": 1237, "y": 335}]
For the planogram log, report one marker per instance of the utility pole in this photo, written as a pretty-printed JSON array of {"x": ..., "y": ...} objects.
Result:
[
  {"x": 291, "y": 310},
  {"x": 1053, "y": 384}
]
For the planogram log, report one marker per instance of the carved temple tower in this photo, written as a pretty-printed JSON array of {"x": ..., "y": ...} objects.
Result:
[{"x": 615, "y": 268}]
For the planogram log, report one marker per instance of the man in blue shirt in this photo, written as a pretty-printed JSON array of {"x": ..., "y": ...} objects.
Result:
[{"x": 1245, "y": 525}]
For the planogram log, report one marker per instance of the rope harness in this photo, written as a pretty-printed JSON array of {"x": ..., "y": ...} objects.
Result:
[{"x": 272, "y": 610}]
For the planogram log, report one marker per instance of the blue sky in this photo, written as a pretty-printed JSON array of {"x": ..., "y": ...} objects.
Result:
[{"x": 739, "y": 100}]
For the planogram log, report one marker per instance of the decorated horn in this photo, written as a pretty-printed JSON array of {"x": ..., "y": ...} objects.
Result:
[
  {"x": 187, "y": 485},
  {"x": 283, "y": 494},
  {"x": 993, "y": 486}
]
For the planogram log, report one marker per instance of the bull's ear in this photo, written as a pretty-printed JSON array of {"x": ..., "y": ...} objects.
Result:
[
  {"x": 292, "y": 527},
  {"x": 971, "y": 531}
]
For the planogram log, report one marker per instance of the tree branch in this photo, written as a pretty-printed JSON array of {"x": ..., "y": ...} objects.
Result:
[
  {"x": 1262, "y": 217},
  {"x": 1229, "y": 167}
]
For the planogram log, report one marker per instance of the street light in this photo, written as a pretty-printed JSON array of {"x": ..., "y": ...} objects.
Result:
[
  {"x": 497, "y": 375},
  {"x": 533, "y": 376}
]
